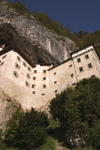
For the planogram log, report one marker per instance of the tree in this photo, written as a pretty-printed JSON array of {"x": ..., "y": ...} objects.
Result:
[
  {"x": 78, "y": 109},
  {"x": 27, "y": 130}
]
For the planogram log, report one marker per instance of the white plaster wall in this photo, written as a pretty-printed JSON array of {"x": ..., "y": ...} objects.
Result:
[
  {"x": 87, "y": 72},
  {"x": 82, "y": 51},
  {"x": 38, "y": 99},
  {"x": 57, "y": 78},
  {"x": 14, "y": 87},
  {"x": 62, "y": 75}
]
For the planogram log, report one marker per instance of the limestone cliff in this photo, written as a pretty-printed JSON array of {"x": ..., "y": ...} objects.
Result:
[{"x": 38, "y": 42}]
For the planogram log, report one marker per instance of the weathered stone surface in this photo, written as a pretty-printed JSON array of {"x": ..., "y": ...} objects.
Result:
[
  {"x": 38, "y": 42},
  {"x": 7, "y": 107}
]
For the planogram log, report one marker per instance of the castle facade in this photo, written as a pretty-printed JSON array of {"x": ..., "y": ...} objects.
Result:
[{"x": 34, "y": 85}]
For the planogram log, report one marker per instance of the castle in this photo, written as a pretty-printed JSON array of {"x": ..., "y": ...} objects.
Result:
[{"x": 34, "y": 85}]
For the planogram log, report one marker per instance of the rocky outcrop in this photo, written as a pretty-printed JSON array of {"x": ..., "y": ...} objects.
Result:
[
  {"x": 38, "y": 42},
  {"x": 7, "y": 107}
]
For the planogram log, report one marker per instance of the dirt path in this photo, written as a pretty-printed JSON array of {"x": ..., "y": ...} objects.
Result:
[{"x": 59, "y": 146}]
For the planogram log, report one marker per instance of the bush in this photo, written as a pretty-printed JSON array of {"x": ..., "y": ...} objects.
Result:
[
  {"x": 50, "y": 143},
  {"x": 26, "y": 130},
  {"x": 78, "y": 110}
]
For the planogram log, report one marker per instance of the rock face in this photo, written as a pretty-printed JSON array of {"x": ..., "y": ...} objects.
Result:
[
  {"x": 38, "y": 42},
  {"x": 7, "y": 107}
]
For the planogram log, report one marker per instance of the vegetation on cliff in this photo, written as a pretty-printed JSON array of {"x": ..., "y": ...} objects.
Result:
[
  {"x": 26, "y": 130},
  {"x": 75, "y": 121},
  {"x": 78, "y": 112},
  {"x": 81, "y": 38}
]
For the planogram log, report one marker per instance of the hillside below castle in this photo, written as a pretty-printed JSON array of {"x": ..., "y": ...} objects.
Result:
[
  {"x": 38, "y": 42},
  {"x": 35, "y": 66}
]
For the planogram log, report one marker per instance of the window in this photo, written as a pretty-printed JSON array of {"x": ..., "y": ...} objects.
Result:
[
  {"x": 44, "y": 86},
  {"x": 34, "y": 78},
  {"x": 72, "y": 75},
  {"x": 33, "y": 85},
  {"x": 87, "y": 56},
  {"x": 70, "y": 65},
  {"x": 24, "y": 64},
  {"x": 90, "y": 65},
  {"x": 35, "y": 71},
  {"x": 43, "y": 94},
  {"x": 78, "y": 60},
  {"x": 81, "y": 69},
  {"x": 18, "y": 58},
  {"x": 15, "y": 74},
  {"x": 17, "y": 66},
  {"x": 33, "y": 92},
  {"x": 44, "y": 71},
  {"x": 74, "y": 84},
  {"x": 29, "y": 68},
  {"x": 27, "y": 84},
  {"x": 44, "y": 78},
  {"x": 92, "y": 76},
  {"x": 54, "y": 73},
  {"x": 2, "y": 64},
  {"x": 55, "y": 82},
  {"x": 56, "y": 91},
  {"x": 28, "y": 76},
  {"x": 4, "y": 56}
]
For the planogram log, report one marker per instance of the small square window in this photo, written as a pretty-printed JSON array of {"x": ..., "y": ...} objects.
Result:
[
  {"x": 44, "y": 71},
  {"x": 44, "y": 78},
  {"x": 15, "y": 74},
  {"x": 90, "y": 65},
  {"x": 2, "y": 63},
  {"x": 74, "y": 84},
  {"x": 56, "y": 91},
  {"x": 44, "y": 86},
  {"x": 29, "y": 68},
  {"x": 4, "y": 56},
  {"x": 92, "y": 76},
  {"x": 43, "y": 94},
  {"x": 33, "y": 92},
  {"x": 34, "y": 78},
  {"x": 24, "y": 64},
  {"x": 18, "y": 58},
  {"x": 54, "y": 73},
  {"x": 87, "y": 56},
  {"x": 17, "y": 66},
  {"x": 28, "y": 76},
  {"x": 70, "y": 65},
  {"x": 33, "y": 85},
  {"x": 72, "y": 75},
  {"x": 27, "y": 84},
  {"x": 35, "y": 71},
  {"x": 81, "y": 69},
  {"x": 55, "y": 82},
  {"x": 78, "y": 60}
]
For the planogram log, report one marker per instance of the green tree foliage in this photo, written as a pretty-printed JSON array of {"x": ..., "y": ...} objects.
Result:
[
  {"x": 95, "y": 135},
  {"x": 78, "y": 109},
  {"x": 50, "y": 144},
  {"x": 26, "y": 130},
  {"x": 19, "y": 8}
]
